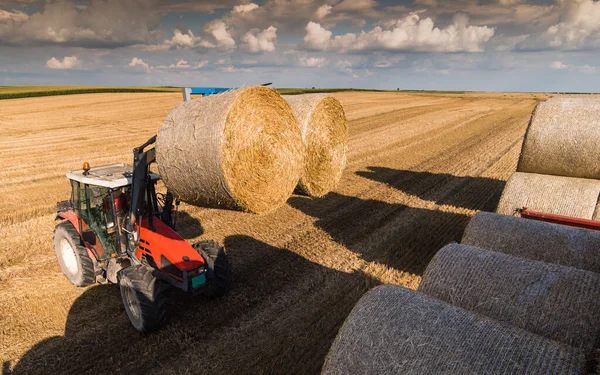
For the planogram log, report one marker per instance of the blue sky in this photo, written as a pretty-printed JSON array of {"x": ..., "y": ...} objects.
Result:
[{"x": 492, "y": 45}]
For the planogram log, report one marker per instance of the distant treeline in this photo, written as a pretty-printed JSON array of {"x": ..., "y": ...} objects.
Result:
[{"x": 32, "y": 94}]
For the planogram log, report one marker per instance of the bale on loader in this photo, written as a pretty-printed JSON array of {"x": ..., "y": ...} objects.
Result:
[
  {"x": 568, "y": 196},
  {"x": 563, "y": 138},
  {"x": 558, "y": 302},
  {"x": 394, "y": 330},
  {"x": 239, "y": 149},
  {"x": 322, "y": 121},
  {"x": 537, "y": 240}
]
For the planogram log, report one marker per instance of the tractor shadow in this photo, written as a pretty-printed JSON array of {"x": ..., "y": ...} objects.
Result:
[
  {"x": 399, "y": 236},
  {"x": 475, "y": 193},
  {"x": 272, "y": 316},
  {"x": 188, "y": 226}
]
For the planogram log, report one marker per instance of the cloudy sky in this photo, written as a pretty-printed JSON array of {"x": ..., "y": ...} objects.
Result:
[{"x": 500, "y": 45}]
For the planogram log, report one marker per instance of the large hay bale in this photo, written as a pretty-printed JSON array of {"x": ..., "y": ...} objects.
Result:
[
  {"x": 563, "y": 138},
  {"x": 322, "y": 122},
  {"x": 394, "y": 330},
  {"x": 576, "y": 197},
  {"x": 558, "y": 302},
  {"x": 239, "y": 149},
  {"x": 546, "y": 242}
]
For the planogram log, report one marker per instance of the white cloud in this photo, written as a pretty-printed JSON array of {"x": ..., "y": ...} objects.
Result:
[
  {"x": 14, "y": 16},
  {"x": 233, "y": 69},
  {"x": 245, "y": 8},
  {"x": 257, "y": 41},
  {"x": 181, "y": 64},
  {"x": 68, "y": 62},
  {"x": 323, "y": 11},
  {"x": 201, "y": 64},
  {"x": 408, "y": 34},
  {"x": 218, "y": 30},
  {"x": 558, "y": 65},
  {"x": 317, "y": 37},
  {"x": 312, "y": 62},
  {"x": 587, "y": 69},
  {"x": 137, "y": 62},
  {"x": 579, "y": 26},
  {"x": 109, "y": 23}
]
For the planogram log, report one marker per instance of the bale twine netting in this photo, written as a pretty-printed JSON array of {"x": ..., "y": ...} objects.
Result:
[
  {"x": 576, "y": 197},
  {"x": 394, "y": 330},
  {"x": 537, "y": 240},
  {"x": 322, "y": 121},
  {"x": 558, "y": 302},
  {"x": 563, "y": 138},
  {"x": 240, "y": 149}
]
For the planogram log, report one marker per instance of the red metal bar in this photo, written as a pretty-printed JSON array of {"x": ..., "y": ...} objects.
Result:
[{"x": 559, "y": 219}]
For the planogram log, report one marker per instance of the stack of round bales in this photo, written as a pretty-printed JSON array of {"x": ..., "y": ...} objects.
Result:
[
  {"x": 394, "y": 330},
  {"x": 558, "y": 302},
  {"x": 322, "y": 121},
  {"x": 558, "y": 170},
  {"x": 537, "y": 240},
  {"x": 240, "y": 149}
]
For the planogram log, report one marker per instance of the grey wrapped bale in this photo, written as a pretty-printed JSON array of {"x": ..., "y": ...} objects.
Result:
[
  {"x": 322, "y": 121},
  {"x": 568, "y": 196},
  {"x": 394, "y": 330},
  {"x": 240, "y": 149},
  {"x": 558, "y": 302},
  {"x": 563, "y": 138},
  {"x": 546, "y": 242}
]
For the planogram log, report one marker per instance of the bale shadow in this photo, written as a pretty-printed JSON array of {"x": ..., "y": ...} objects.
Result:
[
  {"x": 273, "y": 316},
  {"x": 188, "y": 226},
  {"x": 402, "y": 237},
  {"x": 475, "y": 193}
]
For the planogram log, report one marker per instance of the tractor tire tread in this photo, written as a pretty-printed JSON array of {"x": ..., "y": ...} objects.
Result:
[
  {"x": 150, "y": 293},
  {"x": 87, "y": 274}
]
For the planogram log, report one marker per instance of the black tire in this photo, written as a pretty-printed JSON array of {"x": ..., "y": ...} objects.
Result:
[
  {"x": 219, "y": 271},
  {"x": 72, "y": 255},
  {"x": 143, "y": 297}
]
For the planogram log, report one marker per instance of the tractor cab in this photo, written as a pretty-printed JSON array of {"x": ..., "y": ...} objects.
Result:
[{"x": 101, "y": 198}]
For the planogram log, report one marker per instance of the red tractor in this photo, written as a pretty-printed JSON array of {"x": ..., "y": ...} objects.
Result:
[{"x": 117, "y": 229}]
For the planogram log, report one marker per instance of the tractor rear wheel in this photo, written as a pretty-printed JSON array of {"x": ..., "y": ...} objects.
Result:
[
  {"x": 72, "y": 256},
  {"x": 143, "y": 298},
  {"x": 219, "y": 269}
]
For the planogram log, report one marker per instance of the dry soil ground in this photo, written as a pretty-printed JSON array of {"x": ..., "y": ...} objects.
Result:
[{"x": 419, "y": 166}]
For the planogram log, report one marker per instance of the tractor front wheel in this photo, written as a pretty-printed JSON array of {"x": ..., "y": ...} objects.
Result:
[
  {"x": 72, "y": 256},
  {"x": 219, "y": 269},
  {"x": 143, "y": 298}
]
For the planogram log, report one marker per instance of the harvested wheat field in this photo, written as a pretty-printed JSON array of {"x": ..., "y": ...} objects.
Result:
[{"x": 419, "y": 166}]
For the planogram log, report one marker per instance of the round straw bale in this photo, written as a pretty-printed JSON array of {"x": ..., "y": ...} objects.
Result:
[
  {"x": 239, "y": 149},
  {"x": 537, "y": 240},
  {"x": 576, "y": 197},
  {"x": 558, "y": 302},
  {"x": 394, "y": 330},
  {"x": 563, "y": 138},
  {"x": 322, "y": 122}
]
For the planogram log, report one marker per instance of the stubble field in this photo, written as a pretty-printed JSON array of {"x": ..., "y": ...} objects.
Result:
[{"x": 419, "y": 166}]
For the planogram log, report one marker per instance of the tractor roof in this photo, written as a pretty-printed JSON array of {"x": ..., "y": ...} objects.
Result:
[{"x": 111, "y": 176}]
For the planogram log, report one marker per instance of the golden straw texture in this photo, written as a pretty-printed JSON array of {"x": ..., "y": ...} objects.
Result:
[
  {"x": 563, "y": 138},
  {"x": 576, "y": 197},
  {"x": 240, "y": 149},
  {"x": 325, "y": 134}
]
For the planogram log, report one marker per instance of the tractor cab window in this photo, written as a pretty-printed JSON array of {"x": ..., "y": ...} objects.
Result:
[{"x": 97, "y": 210}]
